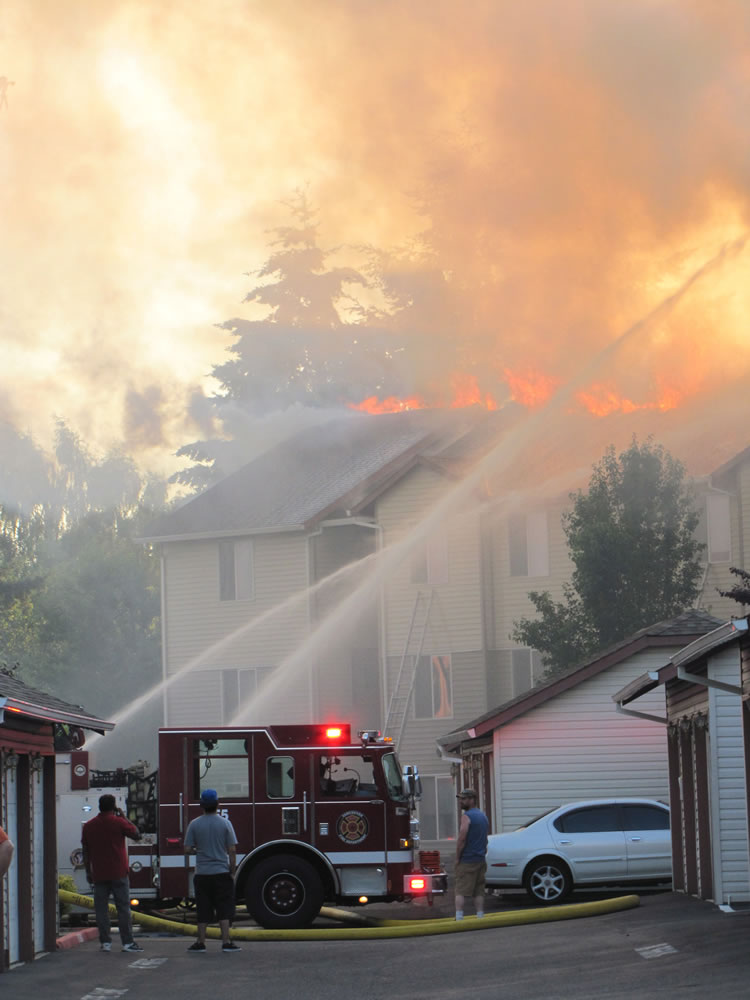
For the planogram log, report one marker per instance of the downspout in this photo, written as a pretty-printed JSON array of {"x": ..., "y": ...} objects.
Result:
[
  {"x": 707, "y": 682},
  {"x": 311, "y": 686},
  {"x": 163, "y": 595},
  {"x": 654, "y": 675}
]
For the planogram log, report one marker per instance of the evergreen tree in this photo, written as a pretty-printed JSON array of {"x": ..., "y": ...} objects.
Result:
[
  {"x": 631, "y": 540},
  {"x": 313, "y": 345},
  {"x": 740, "y": 592}
]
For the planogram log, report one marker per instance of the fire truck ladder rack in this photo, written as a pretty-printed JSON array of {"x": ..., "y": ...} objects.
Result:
[{"x": 395, "y": 720}]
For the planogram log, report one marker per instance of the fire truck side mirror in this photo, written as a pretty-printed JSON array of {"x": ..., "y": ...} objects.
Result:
[{"x": 412, "y": 783}]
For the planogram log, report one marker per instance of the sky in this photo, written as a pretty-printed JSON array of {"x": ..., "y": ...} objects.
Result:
[{"x": 575, "y": 163}]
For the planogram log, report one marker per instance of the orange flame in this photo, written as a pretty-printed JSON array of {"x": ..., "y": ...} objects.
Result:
[
  {"x": 466, "y": 392},
  {"x": 602, "y": 399},
  {"x": 391, "y": 404},
  {"x": 530, "y": 388}
]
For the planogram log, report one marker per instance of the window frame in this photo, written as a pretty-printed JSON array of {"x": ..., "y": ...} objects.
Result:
[
  {"x": 240, "y": 677},
  {"x": 533, "y": 667},
  {"x": 430, "y": 563},
  {"x": 236, "y": 569},
  {"x": 430, "y": 661},
  {"x": 718, "y": 527},
  {"x": 528, "y": 544},
  {"x": 431, "y": 798}
]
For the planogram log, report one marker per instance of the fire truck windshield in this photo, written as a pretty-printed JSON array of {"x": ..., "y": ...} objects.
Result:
[{"x": 393, "y": 780}]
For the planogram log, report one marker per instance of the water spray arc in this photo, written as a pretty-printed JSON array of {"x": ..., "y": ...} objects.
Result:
[{"x": 294, "y": 600}]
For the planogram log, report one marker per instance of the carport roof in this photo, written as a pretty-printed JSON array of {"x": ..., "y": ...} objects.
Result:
[
  {"x": 20, "y": 699},
  {"x": 676, "y": 631},
  {"x": 707, "y": 643}
]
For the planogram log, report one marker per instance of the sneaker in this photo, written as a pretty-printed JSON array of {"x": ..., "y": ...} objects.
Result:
[
  {"x": 197, "y": 946},
  {"x": 132, "y": 947},
  {"x": 105, "y": 946},
  {"x": 230, "y": 946}
]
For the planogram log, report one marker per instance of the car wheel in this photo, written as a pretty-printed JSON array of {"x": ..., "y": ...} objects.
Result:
[
  {"x": 547, "y": 880},
  {"x": 284, "y": 892}
]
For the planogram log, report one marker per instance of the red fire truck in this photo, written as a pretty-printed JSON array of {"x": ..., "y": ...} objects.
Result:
[{"x": 318, "y": 817}]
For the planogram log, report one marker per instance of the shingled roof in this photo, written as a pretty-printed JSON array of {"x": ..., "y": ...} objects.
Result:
[
  {"x": 21, "y": 699},
  {"x": 677, "y": 631},
  {"x": 336, "y": 467}
]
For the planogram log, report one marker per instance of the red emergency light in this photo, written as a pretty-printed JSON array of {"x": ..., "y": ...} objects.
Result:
[
  {"x": 333, "y": 733},
  {"x": 417, "y": 882}
]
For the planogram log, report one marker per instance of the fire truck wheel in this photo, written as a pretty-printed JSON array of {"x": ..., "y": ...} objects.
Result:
[{"x": 283, "y": 892}]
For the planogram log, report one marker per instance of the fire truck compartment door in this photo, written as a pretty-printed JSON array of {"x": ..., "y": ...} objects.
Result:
[
  {"x": 350, "y": 821},
  {"x": 363, "y": 880}
]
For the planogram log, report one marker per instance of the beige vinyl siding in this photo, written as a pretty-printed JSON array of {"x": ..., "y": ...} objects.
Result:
[
  {"x": 511, "y": 592},
  {"x": 743, "y": 481},
  {"x": 729, "y": 833},
  {"x": 576, "y": 746},
  {"x": 199, "y": 624},
  {"x": 718, "y": 575},
  {"x": 455, "y": 621},
  {"x": 204, "y": 633},
  {"x": 195, "y": 699}
]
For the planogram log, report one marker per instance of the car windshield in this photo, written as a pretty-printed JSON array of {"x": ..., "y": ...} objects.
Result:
[{"x": 534, "y": 820}]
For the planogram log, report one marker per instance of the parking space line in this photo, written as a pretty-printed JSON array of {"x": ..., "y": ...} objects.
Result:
[{"x": 656, "y": 950}]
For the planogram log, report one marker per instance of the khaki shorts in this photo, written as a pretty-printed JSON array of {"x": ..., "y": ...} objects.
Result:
[{"x": 470, "y": 878}]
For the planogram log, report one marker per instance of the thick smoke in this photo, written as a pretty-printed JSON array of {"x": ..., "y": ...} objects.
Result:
[{"x": 572, "y": 164}]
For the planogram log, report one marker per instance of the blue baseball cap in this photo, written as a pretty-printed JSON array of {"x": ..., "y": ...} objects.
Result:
[{"x": 209, "y": 797}]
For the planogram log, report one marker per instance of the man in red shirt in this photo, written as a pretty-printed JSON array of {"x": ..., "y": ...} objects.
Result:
[{"x": 106, "y": 859}]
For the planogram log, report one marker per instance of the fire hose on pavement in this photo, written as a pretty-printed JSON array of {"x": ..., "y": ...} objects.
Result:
[{"x": 362, "y": 927}]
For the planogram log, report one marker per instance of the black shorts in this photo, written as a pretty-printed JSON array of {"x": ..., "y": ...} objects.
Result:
[{"x": 214, "y": 897}]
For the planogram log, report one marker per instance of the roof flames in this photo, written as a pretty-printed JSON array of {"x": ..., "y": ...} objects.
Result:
[{"x": 529, "y": 388}]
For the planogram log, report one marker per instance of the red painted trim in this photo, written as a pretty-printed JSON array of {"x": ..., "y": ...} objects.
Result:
[
  {"x": 705, "y": 865},
  {"x": 23, "y": 860},
  {"x": 688, "y": 802},
  {"x": 23, "y": 743},
  {"x": 675, "y": 808},
  {"x": 51, "y": 904}
]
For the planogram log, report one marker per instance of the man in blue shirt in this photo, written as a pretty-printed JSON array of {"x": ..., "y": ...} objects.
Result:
[
  {"x": 471, "y": 853},
  {"x": 212, "y": 839}
]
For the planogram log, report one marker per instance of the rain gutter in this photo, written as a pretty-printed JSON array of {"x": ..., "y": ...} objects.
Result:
[
  {"x": 707, "y": 644},
  {"x": 202, "y": 536},
  {"x": 641, "y": 685}
]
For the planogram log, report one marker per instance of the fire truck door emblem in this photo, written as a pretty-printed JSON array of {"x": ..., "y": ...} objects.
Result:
[{"x": 352, "y": 827}]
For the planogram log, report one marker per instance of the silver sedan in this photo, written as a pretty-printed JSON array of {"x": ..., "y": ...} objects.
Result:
[{"x": 595, "y": 842}]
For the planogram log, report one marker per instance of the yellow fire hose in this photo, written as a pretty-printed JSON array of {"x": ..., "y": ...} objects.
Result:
[{"x": 370, "y": 928}]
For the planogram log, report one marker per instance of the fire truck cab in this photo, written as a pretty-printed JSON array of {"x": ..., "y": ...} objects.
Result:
[{"x": 317, "y": 817}]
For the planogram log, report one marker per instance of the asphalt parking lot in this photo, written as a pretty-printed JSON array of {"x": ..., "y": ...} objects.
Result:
[{"x": 669, "y": 946}]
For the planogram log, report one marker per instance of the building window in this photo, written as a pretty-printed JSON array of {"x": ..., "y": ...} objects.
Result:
[
  {"x": 430, "y": 561},
  {"x": 718, "y": 528},
  {"x": 528, "y": 544},
  {"x": 437, "y": 808},
  {"x": 433, "y": 688},
  {"x": 238, "y": 688},
  {"x": 236, "y": 569},
  {"x": 525, "y": 667}
]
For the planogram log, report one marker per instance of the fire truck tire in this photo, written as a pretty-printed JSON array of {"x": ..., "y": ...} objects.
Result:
[{"x": 284, "y": 891}]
